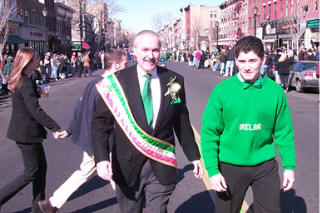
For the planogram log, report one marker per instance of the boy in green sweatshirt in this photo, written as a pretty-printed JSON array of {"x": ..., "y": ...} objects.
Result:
[{"x": 245, "y": 117}]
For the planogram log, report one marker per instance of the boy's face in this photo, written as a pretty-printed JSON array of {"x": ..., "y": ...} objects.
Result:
[{"x": 249, "y": 65}]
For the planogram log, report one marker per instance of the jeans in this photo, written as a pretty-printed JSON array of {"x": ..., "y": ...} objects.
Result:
[
  {"x": 215, "y": 66},
  {"x": 222, "y": 66},
  {"x": 56, "y": 72},
  {"x": 277, "y": 77},
  {"x": 197, "y": 63},
  {"x": 35, "y": 165},
  {"x": 263, "y": 69},
  {"x": 229, "y": 68}
]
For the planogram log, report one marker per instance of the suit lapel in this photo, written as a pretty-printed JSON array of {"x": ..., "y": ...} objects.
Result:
[
  {"x": 164, "y": 79},
  {"x": 130, "y": 84}
]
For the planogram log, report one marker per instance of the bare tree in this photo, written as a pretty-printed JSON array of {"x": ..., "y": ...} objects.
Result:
[
  {"x": 7, "y": 10},
  {"x": 160, "y": 20},
  {"x": 114, "y": 8},
  {"x": 92, "y": 18}
]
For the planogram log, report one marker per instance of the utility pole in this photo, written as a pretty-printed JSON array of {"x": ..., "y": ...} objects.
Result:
[{"x": 81, "y": 23}]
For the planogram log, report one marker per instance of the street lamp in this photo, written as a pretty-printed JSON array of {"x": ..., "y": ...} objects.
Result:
[
  {"x": 217, "y": 25},
  {"x": 255, "y": 12},
  {"x": 45, "y": 14}
]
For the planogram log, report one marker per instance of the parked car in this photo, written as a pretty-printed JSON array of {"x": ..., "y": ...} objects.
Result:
[
  {"x": 303, "y": 75},
  {"x": 162, "y": 63}
]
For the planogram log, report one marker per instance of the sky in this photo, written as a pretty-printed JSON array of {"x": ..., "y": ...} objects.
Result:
[{"x": 138, "y": 13}]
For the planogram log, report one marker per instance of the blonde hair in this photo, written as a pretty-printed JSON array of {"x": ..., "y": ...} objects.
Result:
[{"x": 20, "y": 66}]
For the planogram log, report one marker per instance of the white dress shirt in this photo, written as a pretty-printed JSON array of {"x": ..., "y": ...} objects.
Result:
[{"x": 155, "y": 90}]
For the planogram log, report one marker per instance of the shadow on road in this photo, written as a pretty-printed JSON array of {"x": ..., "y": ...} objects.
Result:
[
  {"x": 93, "y": 184},
  {"x": 290, "y": 203},
  {"x": 26, "y": 210},
  {"x": 98, "y": 206},
  {"x": 200, "y": 203},
  {"x": 181, "y": 172}
]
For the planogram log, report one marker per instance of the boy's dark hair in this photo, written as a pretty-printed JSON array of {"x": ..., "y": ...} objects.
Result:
[
  {"x": 249, "y": 43},
  {"x": 112, "y": 56}
]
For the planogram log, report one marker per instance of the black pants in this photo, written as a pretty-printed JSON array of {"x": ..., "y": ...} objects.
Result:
[
  {"x": 79, "y": 71},
  {"x": 35, "y": 165},
  {"x": 284, "y": 79},
  {"x": 265, "y": 183},
  {"x": 87, "y": 70}
]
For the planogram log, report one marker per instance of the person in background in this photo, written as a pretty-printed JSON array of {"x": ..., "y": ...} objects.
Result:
[
  {"x": 55, "y": 63},
  {"x": 80, "y": 132},
  {"x": 230, "y": 62},
  {"x": 79, "y": 64},
  {"x": 86, "y": 64},
  {"x": 223, "y": 62},
  {"x": 239, "y": 146},
  {"x": 3, "y": 79},
  {"x": 73, "y": 63},
  {"x": 198, "y": 58},
  {"x": 6, "y": 73},
  {"x": 284, "y": 64},
  {"x": 47, "y": 67},
  {"x": 28, "y": 133}
]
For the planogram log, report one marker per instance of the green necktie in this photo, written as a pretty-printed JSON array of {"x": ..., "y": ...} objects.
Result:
[
  {"x": 256, "y": 84},
  {"x": 147, "y": 100}
]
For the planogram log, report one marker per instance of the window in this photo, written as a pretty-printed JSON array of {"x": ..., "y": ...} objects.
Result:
[
  {"x": 281, "y": 8},
  {"x": 26, "y": 17},
  {"x": 286, "y": 7},
  {"x": 275, "y": 10},
  {"x": 249, "y": 22},
  {"x": 264, "y": 12},
  {"x": 316, "y": 5},
  {"x": 211, "y": 14},
  {"x": 258, "y": 20}
]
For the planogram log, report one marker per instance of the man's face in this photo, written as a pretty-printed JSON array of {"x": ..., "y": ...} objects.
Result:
[
  {"x": 249, "y": 65},
  {"x": 147, "y": 51}
]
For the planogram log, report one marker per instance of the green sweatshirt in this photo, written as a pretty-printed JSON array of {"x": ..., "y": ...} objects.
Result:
[{"x": 240, "y": 126}]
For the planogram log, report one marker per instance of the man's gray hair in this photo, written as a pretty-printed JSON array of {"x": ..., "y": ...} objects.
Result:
[{"x": 145, "y": 32}]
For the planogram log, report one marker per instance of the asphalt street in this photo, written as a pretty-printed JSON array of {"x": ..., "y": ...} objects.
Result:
[{"x": 190, "y": 194}]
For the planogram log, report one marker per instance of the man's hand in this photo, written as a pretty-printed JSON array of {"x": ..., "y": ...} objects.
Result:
[
  {"x": 198, "y": 169},
  {"x": 218, "y": 183},
  {"x": 288, "y": 180},
  {"x": 104, "y": 170},
  {"x": 60, "y": 135}
]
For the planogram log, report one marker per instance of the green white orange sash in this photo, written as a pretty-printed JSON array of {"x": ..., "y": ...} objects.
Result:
[{"x": 154, "y": 148}]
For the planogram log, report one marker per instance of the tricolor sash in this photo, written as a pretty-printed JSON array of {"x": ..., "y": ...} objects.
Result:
[{"x": 111, "y": 92}]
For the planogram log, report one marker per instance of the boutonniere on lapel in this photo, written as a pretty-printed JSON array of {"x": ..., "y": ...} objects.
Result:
[{"x": 173, "y": 89}]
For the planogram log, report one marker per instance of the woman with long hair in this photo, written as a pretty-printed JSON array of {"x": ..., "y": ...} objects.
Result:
[{"x": 26, "y": 128}]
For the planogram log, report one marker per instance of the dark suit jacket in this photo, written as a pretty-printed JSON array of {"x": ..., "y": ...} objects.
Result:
[
  {"x": 28, "y": 118},
  {"x": 127, "y": 161},
  {"x": 80, "y": 126}
]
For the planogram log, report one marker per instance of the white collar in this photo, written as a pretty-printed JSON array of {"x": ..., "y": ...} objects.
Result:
[
  {"x": 142, "y": 73},
  {"x": 242, "y": 79}
]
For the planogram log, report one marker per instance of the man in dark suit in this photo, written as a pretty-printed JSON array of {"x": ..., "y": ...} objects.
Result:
[{"x": 155, "y": 100}]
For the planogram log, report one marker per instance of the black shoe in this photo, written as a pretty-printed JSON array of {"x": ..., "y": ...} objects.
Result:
[{"x": 46, "y": 207}]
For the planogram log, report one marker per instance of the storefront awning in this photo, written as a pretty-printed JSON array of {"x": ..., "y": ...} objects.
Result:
[
  {"x": 269, "y": 40},
  {"x": 14, "y": 39}
]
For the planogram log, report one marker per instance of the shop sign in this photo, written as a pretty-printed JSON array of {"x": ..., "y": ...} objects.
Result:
[{"x": 313, "y": 23}]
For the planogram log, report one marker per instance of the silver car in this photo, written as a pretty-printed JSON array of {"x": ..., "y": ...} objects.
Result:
[{"x": 303, "y": 75}]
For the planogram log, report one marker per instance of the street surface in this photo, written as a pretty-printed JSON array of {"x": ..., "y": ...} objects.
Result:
[{"x": 190, "y": 194}]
